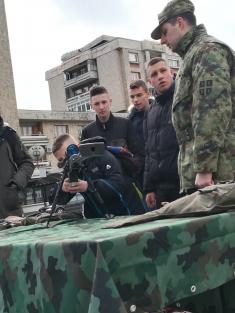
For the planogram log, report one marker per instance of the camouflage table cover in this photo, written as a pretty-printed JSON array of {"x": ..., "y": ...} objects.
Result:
[{"x": 79, "y": 266}]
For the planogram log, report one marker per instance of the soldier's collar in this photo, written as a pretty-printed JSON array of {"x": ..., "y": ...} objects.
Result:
[{"x": 188, "y": 38}]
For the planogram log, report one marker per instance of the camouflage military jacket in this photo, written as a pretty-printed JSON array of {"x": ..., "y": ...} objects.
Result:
[{"x": 203, "y": 108}]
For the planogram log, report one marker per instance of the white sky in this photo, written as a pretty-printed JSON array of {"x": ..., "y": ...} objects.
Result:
[{"x": 40, "y": 31}]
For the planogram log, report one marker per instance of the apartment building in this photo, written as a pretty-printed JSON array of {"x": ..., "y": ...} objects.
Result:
[{"x": 110, "y": 61}]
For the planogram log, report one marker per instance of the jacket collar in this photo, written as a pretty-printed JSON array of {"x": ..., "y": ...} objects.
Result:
[
  {"x": 161, "y": 99},
  {"x": 134, "y": 112},
  {"x": 106, "y": 124},
  {"x": 193, "y": 35}
]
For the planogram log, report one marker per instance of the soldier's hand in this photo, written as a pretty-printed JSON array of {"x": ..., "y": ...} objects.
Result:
[
  {"x": 151, "y": 200},
  {"x": 203, "y": 180}
]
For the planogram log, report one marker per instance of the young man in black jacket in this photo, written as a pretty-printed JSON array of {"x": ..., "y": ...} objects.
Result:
[
  {"x": 117, "y": 131},
  {"x": 161, "y": 180},
  {"x": 139, "y": 95},
  {"x": 103, "y": 175},
  {"x": 16, "y": 168}
]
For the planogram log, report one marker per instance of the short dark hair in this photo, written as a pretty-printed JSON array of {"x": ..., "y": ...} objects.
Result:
[
  {"x": 137, "y": 84},
  {"x": 155, "y": 61},
  {"x": 57, "y": 144},
  {"x": 188, "y": 16},
  {"x": 97, "y": 90}
]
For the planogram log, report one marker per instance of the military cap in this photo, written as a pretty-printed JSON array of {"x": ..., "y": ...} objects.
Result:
[{"x": 172, "y": 9}]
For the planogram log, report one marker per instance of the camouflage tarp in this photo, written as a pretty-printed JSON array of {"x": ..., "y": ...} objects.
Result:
[{"x": 81, "y": 267}]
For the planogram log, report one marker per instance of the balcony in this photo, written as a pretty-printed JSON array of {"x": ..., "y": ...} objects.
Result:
[
  {"x": 41, "y": 140},
  {"x": 85, "y": 78},
  {"x": 80, "y": 101}
]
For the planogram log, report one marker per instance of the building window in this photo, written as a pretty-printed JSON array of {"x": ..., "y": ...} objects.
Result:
[
  {"x": 26, "y": 130},
  {"x": 135, "y": 75},
  {"x": 81, "y": 106},
  {"x": 82, "y": 71},
  {"x": 33, "y": 195},
  {"x": 60, "y": 130},
  {"x": 155, "y": 54},
  {"x": 133, "y": 57}
]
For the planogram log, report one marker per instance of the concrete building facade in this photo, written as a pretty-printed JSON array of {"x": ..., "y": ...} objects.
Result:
[
  {"x": 40, "y": 128},
  {"x": 8, "y": 108},
  {"x": 110, "y": 61}
]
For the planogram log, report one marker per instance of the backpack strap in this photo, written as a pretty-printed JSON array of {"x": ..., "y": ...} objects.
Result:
[
  {"x": 140, "y": 195},
  {"x": 123, "y": 202}
]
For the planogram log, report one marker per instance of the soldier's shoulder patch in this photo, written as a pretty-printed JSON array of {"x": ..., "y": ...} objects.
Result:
[
  {"x": 202, "y": 83},
  {"x": 202, "y": 91},
  {"x": 205, "y": 87},
  {"x": 208, "y": 91}
]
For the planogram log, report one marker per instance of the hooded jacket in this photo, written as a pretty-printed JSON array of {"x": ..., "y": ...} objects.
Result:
[{"x": 16, "y": 168}]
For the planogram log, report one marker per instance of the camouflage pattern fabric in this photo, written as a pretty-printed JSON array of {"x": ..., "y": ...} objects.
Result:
[
  {"x": 79, "y": 266},
  {"x": 207, "y": 201},
  {"x": 203, "y": 108}
]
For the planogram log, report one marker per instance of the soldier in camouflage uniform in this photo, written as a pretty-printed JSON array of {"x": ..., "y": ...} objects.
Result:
[{"x": 203, "y": 105}]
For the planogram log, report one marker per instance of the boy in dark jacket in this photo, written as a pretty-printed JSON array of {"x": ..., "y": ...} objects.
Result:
[
  {"x": 117, "y": 131},
  {"x": 161, "y": 180},
  {"x": 139, "y": 95},
  {"x": 105, "y": 177}
]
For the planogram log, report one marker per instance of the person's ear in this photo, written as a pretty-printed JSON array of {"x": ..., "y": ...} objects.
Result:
[
  {"x": 181, "y": 22},
  {"x": 150, "y": 82}
]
